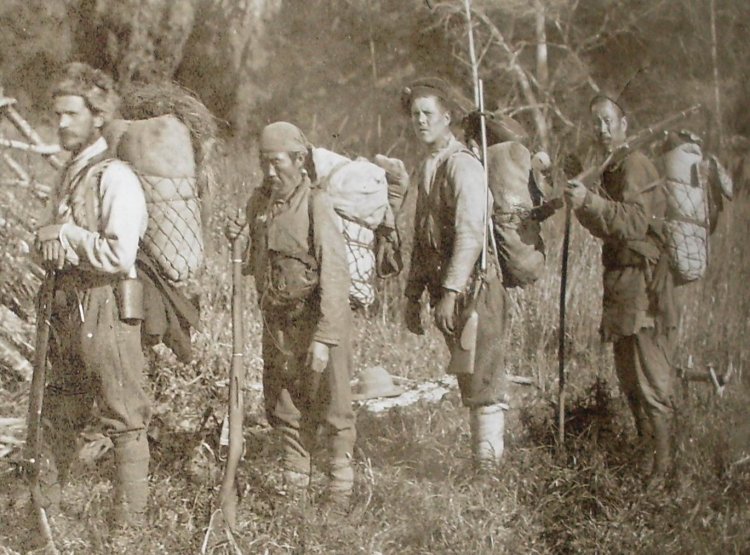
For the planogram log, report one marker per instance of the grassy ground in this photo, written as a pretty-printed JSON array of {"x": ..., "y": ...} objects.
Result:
[{"x": 415, "y": 491}]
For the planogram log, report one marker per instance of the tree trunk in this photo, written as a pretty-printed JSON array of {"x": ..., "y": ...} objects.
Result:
[{"x": 542, "y": 67}]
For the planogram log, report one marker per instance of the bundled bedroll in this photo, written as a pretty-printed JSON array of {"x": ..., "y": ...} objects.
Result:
[
  {"x": 360, "y": 196},
  {"x": 518, "y": 236}
]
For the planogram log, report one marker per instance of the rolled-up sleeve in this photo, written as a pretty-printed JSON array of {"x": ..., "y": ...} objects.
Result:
[
  {"x": 123, "y": 222},
  {"x": 330, "y": 252},
  {"x": 472, "y": 203}
]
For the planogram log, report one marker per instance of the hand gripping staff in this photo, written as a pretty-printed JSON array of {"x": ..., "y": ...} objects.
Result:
[
  {"x": 228, "y": 494},
  {"x": 588, "y": 178},
  {"x": 36, "y": 398}
]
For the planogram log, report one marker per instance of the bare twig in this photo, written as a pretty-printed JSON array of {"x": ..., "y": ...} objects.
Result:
[
  {"x": 28, "y": 131},
  {"x": 43, "y": 149}
]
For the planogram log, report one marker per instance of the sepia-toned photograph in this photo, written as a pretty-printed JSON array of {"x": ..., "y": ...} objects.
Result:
[{"x": 378, "y": 277}]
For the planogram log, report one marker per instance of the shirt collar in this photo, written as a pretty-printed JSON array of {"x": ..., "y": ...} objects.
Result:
[
  {"x": 94, "y": 149},
  {"x": 283, "y": 200},
  {"x": 435, "y": 150}
]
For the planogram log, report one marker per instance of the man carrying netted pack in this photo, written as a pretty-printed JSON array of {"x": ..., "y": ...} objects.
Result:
[
  {"x": 298, "y": 259},
  {"x": 95, "y": 348},
  {"x": 452, "y": 215},
  {"x": 638, "y": 315}
]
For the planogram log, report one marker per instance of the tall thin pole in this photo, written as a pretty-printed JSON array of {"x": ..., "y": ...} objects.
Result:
[
  {"x": 472, "y": 54},
  {"x": 715, "y": 61},
  {"x": 561, "y": 334}
]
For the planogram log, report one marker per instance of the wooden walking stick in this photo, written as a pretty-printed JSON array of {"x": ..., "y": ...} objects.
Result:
[
  {"x": 36, "y": 398},
  {"x": 561, "y": 334}
]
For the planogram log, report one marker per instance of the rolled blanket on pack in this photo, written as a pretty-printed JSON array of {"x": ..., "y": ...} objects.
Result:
[
  {"x": 358, "y": 188},
  {"x": 398, "y": 180},
  {"x": 518, "y": 236},
  {"x": 360, "y": 196},
  {"x": 686, "y": 225},
  {"x": 160, "y": 151}
]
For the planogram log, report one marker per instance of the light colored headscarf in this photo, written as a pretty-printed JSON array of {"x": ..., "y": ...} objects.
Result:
[{"x": 282, "y": 136}]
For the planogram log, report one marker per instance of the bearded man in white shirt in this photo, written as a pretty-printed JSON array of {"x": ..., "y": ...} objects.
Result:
[{"x": 99, "y": 216}]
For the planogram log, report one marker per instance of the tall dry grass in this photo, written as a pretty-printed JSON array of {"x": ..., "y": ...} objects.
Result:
[{"x": 416, "y": 492}]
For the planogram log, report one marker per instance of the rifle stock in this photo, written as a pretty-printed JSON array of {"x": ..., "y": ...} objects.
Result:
[
  {"x": 228, "y": 494},
  {"x": 36, "y": 401}
]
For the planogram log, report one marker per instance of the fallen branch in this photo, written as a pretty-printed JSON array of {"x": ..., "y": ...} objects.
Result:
[
  {"x": 43, "y": 149},
  {"x": 39, "y": 189},
  {"x": 16, "y": 167},
  {"x": 708, "y": 375},
  {"x": 25, "y": 128}
]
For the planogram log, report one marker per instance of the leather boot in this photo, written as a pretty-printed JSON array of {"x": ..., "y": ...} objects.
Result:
[
  {"x": 487, "y": 430},
  {"x": 131, "y": 483}
]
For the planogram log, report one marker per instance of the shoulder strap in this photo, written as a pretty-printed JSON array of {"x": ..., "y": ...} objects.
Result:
[{"x": 94, "y": 172}]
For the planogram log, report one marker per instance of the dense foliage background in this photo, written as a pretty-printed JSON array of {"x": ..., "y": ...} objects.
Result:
[{"x": 335, "y": 67}]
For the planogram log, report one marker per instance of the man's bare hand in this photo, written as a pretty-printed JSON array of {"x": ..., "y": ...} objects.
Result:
[
  {"x": 235, "y": 225},
  {"x": 49, "y": 247},
  {"x": 445, "y": 312},
  {"x": 53, "y": 255},
  {"x": 413, "y": 317},
  {"x": 575, "y": 194},
  {"x": 317, "y": 356}
]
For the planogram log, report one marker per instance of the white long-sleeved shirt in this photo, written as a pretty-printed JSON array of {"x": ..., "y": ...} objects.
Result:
[{"x": 123, "y": 216}]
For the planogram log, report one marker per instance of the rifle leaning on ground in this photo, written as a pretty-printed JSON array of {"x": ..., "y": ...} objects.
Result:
[
  {"x": 229, "y": 493},
  {"x": 228, "y": 496},
  {"x": 588, "y": 178},
  {"x": 36, "y": 399}
]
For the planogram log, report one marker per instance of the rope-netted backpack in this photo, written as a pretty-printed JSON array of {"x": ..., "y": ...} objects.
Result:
[
  {"x": 694, "y": 187},
  {"x": 359, "y": 192},
  {"x": 518, "y": 236},
  {"x": 160, "y": 151}
]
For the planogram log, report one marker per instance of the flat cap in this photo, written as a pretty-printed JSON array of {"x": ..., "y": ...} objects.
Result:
[
  {"x": 615, "y": 99},
  {"x": 429, "y": 86}
]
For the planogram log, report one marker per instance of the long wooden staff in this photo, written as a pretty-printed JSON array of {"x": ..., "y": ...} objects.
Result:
[
  {"x": 228, "y": 495},
  {"x": 561, "y": 334},
  {"x": 36, "y": 398}
]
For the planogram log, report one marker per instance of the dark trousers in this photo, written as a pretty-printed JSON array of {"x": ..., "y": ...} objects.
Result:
[
  {"x": 94, "y": 358},
  {"x": 298, "y": 400},
  {"x": 646, "y": 375}
]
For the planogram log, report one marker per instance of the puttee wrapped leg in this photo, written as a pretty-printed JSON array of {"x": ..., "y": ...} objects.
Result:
[
  {"x": 487, "y": 426},
  {"x": 131, "y": 483}
]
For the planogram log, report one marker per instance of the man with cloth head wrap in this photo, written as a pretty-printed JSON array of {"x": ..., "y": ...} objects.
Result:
[{"x": 297, "y": 256}]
